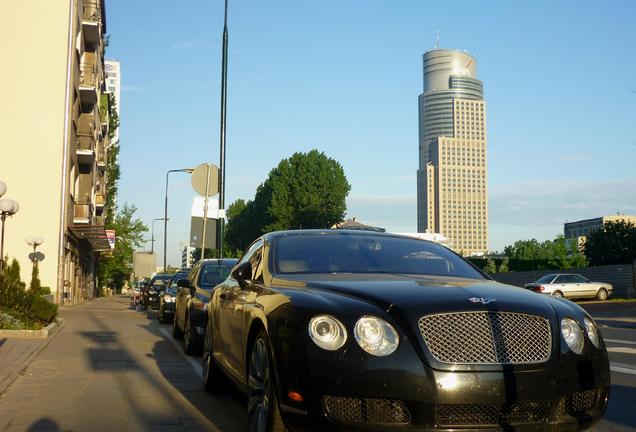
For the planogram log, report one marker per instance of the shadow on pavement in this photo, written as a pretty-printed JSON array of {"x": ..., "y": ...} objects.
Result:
[{"x": 621, "y": 414}]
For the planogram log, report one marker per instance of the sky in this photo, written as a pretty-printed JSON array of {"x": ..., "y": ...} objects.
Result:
[{"x": 343, "y": 77}]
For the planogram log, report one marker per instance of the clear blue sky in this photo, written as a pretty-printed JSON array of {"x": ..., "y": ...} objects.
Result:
[{"x": 343, "y": 76}]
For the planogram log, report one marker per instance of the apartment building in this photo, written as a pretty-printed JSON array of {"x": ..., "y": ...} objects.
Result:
[{"x": 54, "y": 119}]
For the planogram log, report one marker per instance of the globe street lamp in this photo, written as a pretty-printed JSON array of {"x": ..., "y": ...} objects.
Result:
[
  {"x": 8, "y": 207},
  {"x": 165, "y": 214},
  {"x": 34, "y": 242}
]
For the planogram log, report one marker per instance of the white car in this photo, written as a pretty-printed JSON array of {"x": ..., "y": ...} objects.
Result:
[{"x": 570, "y": 285}]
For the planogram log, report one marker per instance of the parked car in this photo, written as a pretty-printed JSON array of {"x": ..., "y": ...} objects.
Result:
[
  {"x": 193, "y": 294},
  {"x": 167, "y": 299},
  {"x": 350, "y": 331},
  {"x": 154, "y": 288},
  {"x": 570, "y": 285}
]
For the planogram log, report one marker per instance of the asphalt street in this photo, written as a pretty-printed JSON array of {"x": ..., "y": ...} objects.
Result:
[{"x": 111, "y": 368}]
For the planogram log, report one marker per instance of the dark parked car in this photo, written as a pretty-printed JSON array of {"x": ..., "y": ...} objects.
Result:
[
  {"x": 347, "y": 331},
  {"x": 193, "y": 294},
  {"x": 167, "y": 299},
  {"x": 152, "y": 291}
]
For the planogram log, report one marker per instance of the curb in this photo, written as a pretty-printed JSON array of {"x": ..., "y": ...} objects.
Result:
[{"x": 33, "y": 334}]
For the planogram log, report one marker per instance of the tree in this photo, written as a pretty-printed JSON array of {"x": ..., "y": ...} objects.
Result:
[
  {"x": 550, "y": 254},
  {"x": 490, "y": 267},
  {"x": 308, "y": 190},
  {"x": 112, "y": 165},
  {"x": 114, "y": 270},
  {"x": 615, "y": 243},
  {"x": 503, "y": 265}
]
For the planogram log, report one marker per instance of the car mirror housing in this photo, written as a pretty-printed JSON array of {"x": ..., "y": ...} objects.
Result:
[
  {"x": 183, "y": 283},
  {"x": 242, "y": 272}
]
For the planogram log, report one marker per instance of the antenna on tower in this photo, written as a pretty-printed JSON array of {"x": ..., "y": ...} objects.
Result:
[{"x": 437, "y": 40}]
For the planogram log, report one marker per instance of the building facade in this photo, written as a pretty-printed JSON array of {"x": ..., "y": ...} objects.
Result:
[
  {"x": 55, "y": 139},
  {"x": 451, "y": 177},
  {"x": 579, "y": 230}
]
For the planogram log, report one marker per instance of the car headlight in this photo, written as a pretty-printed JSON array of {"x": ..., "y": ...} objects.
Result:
[
  {"x": 168, "y": 298},
  {"x": 572, "y": 334},
  {"x": 376, "y": 336},
  {"x": 327, "y": 332},
  {"x": 591, "y": 331}
]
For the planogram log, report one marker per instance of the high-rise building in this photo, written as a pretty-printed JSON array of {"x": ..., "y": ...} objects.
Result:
[
  {"x": 451, "y": 179},
  {"x": 113, "y": 86},
  {"x": 54, "y": 120}
]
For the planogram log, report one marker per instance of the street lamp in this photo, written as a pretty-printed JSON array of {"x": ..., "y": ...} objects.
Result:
[
  {"x": 219, "y": 237},
  {"x": 152, "y": 238},
  {"x": 165, "y": 213},
  {"x": 8, "y": 207},
  {"x": 34, "y": 242}
]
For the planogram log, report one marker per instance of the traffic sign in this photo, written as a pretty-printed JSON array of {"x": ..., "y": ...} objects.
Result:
[{"x": 199, "y": 177}]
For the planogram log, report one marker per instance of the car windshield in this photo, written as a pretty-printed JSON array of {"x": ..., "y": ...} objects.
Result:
[
  {"x": 360, "y": 253},
  {"x": 213, "y": 273},
  {"x": 546, "y": 279}
]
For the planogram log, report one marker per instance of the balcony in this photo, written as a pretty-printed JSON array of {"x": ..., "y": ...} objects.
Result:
[
  {"x": 92, "y": 22},
  {"x": 86, "y": 139},
  {"x": 82, "y": 211},
  {"x": 89, "y": 79},
  {"x": 101, "y": 156},
  {"x": 99, "y": 201}
]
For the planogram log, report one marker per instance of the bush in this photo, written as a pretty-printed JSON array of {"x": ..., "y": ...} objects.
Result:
[{"x": 43, "y": 310}]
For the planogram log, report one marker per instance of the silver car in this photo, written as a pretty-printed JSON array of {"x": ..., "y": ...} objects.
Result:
[{"x": 570, "y": 285}]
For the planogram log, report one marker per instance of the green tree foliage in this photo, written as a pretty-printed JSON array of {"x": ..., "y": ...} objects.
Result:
[
  {"x": 308, "y": 190},
  {"x": 503, "y": 265},
  {"x": 27, "y": 306},
  {"x": 550, "y": 254},
  {"x": 490, "y": 267},
  {"x": 114, "y": 270},
  {"x": 112, "y": 165},
  {"x": 35, "y": 286},
  {"x": 615, "y": 243}
]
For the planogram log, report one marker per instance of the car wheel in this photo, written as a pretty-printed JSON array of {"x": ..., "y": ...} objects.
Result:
[
  {"x": 176, "y": 331},
  {"x": 213, "y": 379},
  {"x": 601, "y": 294},
  {"x": 558, "y": 294},
  {"x": 262, "y": 404},
  {"x": 190, "y": 343}
]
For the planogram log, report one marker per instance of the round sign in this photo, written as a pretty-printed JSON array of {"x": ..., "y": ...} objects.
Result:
[{"x": 199, "y": 177}]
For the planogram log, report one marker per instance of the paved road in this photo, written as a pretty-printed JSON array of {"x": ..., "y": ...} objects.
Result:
[{"x": 111, "y": 369}]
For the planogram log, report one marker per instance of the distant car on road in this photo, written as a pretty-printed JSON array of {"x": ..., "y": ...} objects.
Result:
[
  {"x": 362, "y": 331},
  {"x": 193, "y": 294},
  {"x": 152, "y": 291},
  {"x": 167, "y": 299},
  {"x": 570, "y": 285}
]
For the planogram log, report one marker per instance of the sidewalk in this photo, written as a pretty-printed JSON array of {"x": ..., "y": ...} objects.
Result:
[
  {"x": 15, "y": 354},
  {"x": 110, "y": 368}
]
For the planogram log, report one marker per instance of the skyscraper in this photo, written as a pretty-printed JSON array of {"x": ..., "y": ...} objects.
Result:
[{"x": 451, "y": 179}]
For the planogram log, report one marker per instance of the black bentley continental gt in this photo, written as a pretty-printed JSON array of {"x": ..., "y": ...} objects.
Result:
[{"x": 351, "y": 330}]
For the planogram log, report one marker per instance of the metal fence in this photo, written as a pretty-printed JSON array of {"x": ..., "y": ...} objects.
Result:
[{"x": 621, "y": 276}]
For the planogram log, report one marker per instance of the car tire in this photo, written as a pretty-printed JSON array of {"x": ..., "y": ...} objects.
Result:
[
  {"x": 176, "y": 331},
  {"x": 191, "y": 345},
  {"x": 601, "y": 295},
  {"x": 557, "y": 294},
  {"x": 213, "y": 379},
  {"x": 262, "y": 403}
]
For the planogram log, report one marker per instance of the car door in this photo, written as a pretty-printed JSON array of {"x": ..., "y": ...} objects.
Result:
[
  {"x": 584, "y": 287},
  {"x": 231, "y": 311},
  {"x": 183, "y": 296},
  {"x": 561, "y": 284}
]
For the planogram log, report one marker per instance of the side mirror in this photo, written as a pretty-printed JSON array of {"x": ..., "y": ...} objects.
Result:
[
  {"x": 183, "y": 283},
  {"x": 242, "y": 272}
]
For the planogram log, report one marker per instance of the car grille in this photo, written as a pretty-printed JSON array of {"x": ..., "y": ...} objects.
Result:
[
  {"x": 350, "y": 410},
  {"x": 577, "y": 403},
  {"x": 487, "y": 337},
  {"x": 469, "y": 415}
]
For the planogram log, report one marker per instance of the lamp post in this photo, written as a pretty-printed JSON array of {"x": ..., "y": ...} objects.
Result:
[
  {"x": 152, "y": 238},
  {"x": 34, "y": 242},
  {"x": 219, "y": 236},
  {"x": 165, "y": 214},
  {"x": 8, "y": 207}
]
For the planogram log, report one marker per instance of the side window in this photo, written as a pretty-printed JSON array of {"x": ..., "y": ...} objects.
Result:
[
  {"x": 561, "y": 279},
  {"x": 580, "y": 279},
  {"x": 254, "y": 256}
]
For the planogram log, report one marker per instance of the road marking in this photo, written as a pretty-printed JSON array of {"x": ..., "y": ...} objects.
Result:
[
  {"x": 622, "y": 350},
  {"x": 195, "y": 364},
  {"x": 622, "y": 370},
  {"x": 620, "y": 341}
]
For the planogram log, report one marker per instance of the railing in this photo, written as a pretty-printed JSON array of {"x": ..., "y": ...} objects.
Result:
[
  {"x": 83, "y": 209},
  {"x": 92, "y": 11},
  {"x": 101, "y": 155},
  {"x": 89, "y": 74},
  {"x": 85, "y": 142}
]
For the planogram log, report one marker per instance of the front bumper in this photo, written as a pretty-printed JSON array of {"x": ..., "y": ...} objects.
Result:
[{"x": 351, "y": 391}]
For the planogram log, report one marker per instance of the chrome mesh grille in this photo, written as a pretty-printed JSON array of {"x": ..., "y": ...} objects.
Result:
[
  {"x": 578, "y": 403},
  {"x": 469, "y": 415},
  {"x": 349, "y": 410},
  {"x": 487, "y": 337}
]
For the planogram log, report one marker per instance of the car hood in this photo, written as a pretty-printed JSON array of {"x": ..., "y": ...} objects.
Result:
[{"x": 425, "y": 295}]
